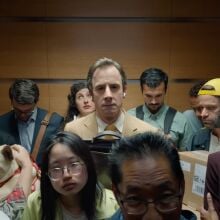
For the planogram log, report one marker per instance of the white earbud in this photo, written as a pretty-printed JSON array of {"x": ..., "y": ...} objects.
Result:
[{"x": 124, "y": 94}]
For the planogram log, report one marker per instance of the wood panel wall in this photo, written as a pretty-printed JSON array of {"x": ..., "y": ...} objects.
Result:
[{"x": 54, "y": 42}]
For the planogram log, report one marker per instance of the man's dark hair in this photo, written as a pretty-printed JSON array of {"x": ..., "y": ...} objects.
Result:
[
  {"x": 141, "y": 146},
  {"x": 193, "y": 92},
  {"x": 153, "y": 77},
  {"x": 24, "y": 91},
  {"x": 102, "y": 63}
]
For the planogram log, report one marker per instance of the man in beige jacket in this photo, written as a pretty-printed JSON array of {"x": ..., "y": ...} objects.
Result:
[{"x": 107, "y": 84}]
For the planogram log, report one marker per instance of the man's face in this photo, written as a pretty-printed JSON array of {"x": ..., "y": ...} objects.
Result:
[
  {"x": 107, "y": 93},
  {"x": 154, "y": 97},
  {"x": 147, "y": 187},
  {"x": 209, "y": 110},
  {"x": 23, "y": 111}
]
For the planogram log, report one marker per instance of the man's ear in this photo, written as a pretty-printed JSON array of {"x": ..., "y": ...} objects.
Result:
[{"x": 124, "y": 91}]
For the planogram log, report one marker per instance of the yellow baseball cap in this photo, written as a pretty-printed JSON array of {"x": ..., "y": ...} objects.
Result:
[{"x": 212, "y": 87}]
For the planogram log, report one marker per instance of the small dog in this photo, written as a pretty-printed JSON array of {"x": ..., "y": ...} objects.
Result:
[{"x": 10, "y": 173}]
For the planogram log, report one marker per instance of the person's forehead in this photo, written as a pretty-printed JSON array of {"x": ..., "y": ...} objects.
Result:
[
  {"x": 208, "y": 100},
  {"x": 106, "y": 71},
  {"x": 160, "y": 87},
  {"x": 23, "y": 106},
  {"x": 147, "y": 170},
  {"x": 60, "y": 152},
  {"x": 82, "y": 91}
]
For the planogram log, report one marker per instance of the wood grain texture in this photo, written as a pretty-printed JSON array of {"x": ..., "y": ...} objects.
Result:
[{"x": 55, "y": 42}]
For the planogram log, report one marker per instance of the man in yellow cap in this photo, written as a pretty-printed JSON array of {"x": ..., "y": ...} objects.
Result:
[{"x": 208, "y": 138}]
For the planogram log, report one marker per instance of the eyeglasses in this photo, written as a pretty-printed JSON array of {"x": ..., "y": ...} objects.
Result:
[
  {"x": 74, "y": 168},
  {"x": 139, "y": 207}
]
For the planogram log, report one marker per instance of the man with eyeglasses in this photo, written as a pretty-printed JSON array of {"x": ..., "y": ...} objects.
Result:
[
  {"x": 22, "y": 124},
  {"x": 147, "y": 179}
]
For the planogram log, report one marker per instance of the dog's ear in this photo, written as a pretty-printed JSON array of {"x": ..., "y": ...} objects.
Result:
[{"x": 7, "y": 153}]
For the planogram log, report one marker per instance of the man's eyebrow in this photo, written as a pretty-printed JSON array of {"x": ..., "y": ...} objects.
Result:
[
  {"x": 162, "y": 185},
  {"x": 99, "y": 84},
  {"x": 166, "y": 185}
]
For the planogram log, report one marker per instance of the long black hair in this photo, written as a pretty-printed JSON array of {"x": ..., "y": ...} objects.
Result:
[{"x": 88, "y": 193}]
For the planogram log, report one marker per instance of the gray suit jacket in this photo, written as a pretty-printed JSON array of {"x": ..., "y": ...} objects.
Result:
[{"x": 87, "y": 127}]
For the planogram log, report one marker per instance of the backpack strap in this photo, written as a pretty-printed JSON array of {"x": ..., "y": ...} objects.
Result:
[
  {"x": 140, "y": 112},
  {"x": 171, "y": 112},
  {"x": 43, "y": 127}
]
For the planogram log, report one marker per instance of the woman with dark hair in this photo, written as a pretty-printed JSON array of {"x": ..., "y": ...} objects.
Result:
[
  {"x": 80, "y": 102},
  {"x": 69, "y": 188}
]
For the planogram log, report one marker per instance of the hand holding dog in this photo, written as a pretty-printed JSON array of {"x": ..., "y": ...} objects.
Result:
[
  {"x": 23, "y": 159},
  {"x": 21, "y": 156}
]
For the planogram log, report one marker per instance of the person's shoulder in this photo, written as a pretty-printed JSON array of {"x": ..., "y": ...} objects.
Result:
[
  {"x": 179, "y": 116},
  {"x": 57, "y": 115},
  {"x": 117, "y": 216},
  {"x": 187, "y": 215},
  {"x": 188, "y": 111},
  {"x": 78, "y": 122},
  {"x": 55, "y": 118},
  {"x": 132, "y": 111},
  {"x": 33, "y": 207},
  {"x": 108, "y": 194},
  {"x": 53, "y": 114},
  {"x": 180, "y": 120},
  {"x": 81, "y": 120},
  {"x": 7, "y": 115},
  {"x": 139, "y": 124},
  {"x": 214, "y": 157},
  {"x": 34, "y": 197},
  {"x": 108, "y": 205}
]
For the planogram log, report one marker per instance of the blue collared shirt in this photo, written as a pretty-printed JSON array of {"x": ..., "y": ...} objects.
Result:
[{"x": 26, "y": 131}]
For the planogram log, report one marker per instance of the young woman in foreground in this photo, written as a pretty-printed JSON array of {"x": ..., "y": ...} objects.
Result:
[{"x": 69, "y": 188}]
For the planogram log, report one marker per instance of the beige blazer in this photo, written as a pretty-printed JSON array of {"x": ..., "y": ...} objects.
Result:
[{"x": 87, "y": 128}]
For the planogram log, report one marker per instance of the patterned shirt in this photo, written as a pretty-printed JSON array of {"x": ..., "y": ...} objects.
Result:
[{"x": 14, "y": 204}]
